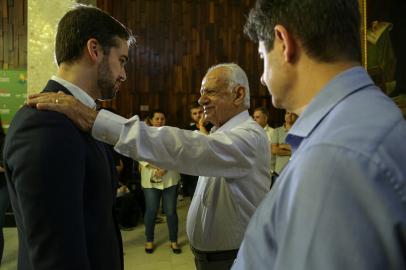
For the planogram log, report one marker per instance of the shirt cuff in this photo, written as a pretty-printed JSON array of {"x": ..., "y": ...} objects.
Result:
[{"x": 107, "y": 127}]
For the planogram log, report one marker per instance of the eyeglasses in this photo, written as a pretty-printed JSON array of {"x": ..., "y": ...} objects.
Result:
[{"x": 210, "y": 92}]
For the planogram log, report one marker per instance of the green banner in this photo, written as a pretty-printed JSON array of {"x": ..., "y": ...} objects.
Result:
[{"x": 13, "y": 93}]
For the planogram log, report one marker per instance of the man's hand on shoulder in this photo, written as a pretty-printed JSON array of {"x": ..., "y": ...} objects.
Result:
[{"x": 80, "y": 114}]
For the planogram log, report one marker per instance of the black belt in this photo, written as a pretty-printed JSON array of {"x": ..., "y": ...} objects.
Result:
[{"x": 212, "y": 256}]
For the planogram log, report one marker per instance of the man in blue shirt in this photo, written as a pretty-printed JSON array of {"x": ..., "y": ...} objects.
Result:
[{"x": 340, "y": 203}]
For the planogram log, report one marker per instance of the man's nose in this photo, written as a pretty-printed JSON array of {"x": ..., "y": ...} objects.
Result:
[
  {"x": 123, "y": 76},
  {"x": 202, "y": 100}
]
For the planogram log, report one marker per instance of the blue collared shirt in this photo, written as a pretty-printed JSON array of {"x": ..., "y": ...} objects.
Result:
[{"x": 340, "y": 203}]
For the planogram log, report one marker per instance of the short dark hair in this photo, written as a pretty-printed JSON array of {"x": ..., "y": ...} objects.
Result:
[
  {"x": 263, "y": 109},
  {"x": 82, "y": 23},
  {"x": 194, "y": 105},
  {"x": 328, "y": 30},
  {"x": 153, "y": 112}
]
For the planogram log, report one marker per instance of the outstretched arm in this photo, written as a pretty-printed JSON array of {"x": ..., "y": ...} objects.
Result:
[{"x": 166, "y": 147}]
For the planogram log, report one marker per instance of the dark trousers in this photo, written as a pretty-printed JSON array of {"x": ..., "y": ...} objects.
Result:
[
  {"x": 189, "y": 184},
  {"x": 214, "y": 260},
  {"x": 129, "y": 211}
]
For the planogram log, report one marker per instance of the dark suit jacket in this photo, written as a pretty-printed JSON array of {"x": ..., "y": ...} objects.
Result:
[{"x": 62, "y": 191}]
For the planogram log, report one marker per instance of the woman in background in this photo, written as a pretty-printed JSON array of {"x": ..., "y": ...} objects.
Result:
[{"x": 157, "y": 182}]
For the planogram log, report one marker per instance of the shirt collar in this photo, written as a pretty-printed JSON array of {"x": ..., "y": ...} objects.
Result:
[
  {"x": 235, "y": 120},
  {"x": 344, "y": 84},
  {"x": 76, "y": 91}
]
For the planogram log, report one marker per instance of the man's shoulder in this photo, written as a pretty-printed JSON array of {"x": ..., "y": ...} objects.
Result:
[
  {"x": 27, "y": 116},
  {"x": 250, "y": 124},
  {"x": 32, "y": 122},
  {"x": 368, "y": 126},
  {"x": 362, "y": 121},
  {"x": 54, "y": 86}
]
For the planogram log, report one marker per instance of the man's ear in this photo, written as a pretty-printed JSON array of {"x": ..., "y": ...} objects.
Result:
[
  {"x": 239, "y": 95},
  {"x": 94, "y": 49},
  {"x": 286, "y": 41}
]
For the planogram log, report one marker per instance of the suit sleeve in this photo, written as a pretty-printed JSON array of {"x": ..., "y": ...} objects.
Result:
[{"x": 47, "y": 158}]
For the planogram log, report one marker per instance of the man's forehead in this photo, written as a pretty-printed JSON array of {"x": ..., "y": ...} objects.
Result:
[
  {"x": 211, "y": 80},
  {"x": 257, "y": 112},
  {"x": 214, "y": 77},
  {"x": 122, "y": 46}
]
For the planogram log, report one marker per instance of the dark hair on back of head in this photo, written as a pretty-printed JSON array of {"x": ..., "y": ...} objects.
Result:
[
  {"x": 153, "y": 112},
  {"x": 327, "y": 30},
  {"x": 194, "y": 105},
  {"x": 82, "y": 23},
  {"x": 263, "y": 109}
]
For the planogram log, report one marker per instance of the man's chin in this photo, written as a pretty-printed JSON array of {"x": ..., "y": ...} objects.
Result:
[
  {"x": 208, "y": 119},
  {"x": 109, "y": 96},
  {"x": 277, "y": 103}
]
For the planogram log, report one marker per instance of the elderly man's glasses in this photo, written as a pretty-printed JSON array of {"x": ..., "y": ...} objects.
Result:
[{"x": 210, "y": 92}]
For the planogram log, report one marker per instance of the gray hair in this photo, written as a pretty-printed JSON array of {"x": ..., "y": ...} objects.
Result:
[{"x": 236, "y": 75}]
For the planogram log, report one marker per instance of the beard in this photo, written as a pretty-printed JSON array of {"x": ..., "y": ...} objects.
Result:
[{"x": 105, "y": 81}]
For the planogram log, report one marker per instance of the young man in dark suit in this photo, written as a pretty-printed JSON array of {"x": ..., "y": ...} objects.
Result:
[{"x": 61, "y": 181}]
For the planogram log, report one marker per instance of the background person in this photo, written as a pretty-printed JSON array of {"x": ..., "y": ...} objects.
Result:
[
  {"x": 157, "y": 183},
  {"x": 197, "y": 116},
  {"x": 281, "y": 151},
  {"x": 4, "y": 197},
  {"x": 261, "y": 116},
  {"x": 199, "y": 124}
]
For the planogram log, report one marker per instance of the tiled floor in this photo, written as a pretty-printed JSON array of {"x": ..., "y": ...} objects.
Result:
[{"x": 135, "y": 257}]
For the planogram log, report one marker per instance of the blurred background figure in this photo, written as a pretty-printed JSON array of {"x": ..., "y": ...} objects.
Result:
[
  {"x": 156, "y": 183},
  {"x": 4, "y": 199},
  {"x": 281, "y": 151},
  {"x": 129, "y": 208},
  {"x": 261, "y": 116},
  {"x": 198, "y": 123}
]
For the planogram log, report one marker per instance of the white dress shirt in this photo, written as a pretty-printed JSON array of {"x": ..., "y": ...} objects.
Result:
[
  {"x": 232, "y": 162},
  {"x": 279, "y": 137},
  {"x": 76, "y": 91},
  {"x": 269, "y": 131},
  {"x": 169, "y": 179}
]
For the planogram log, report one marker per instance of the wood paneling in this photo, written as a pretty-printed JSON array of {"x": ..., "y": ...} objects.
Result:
[
  {"x": 13, "y": 34},
  {"x": 177, "y": 41}
]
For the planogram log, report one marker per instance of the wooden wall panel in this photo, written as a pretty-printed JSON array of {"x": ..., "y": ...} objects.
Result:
[
  {"x": 177, "y": 41},
  {"x": 13, "y": 34}
]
